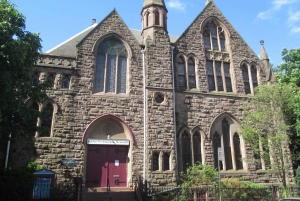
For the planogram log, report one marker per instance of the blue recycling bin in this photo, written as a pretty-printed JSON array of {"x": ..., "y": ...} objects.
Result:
[{"x": 43, "y": 182}]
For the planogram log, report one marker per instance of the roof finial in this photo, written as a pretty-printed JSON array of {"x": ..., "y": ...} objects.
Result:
[
  {"x": 207, "y": 2},
  {"x": 263, "y": 54}
]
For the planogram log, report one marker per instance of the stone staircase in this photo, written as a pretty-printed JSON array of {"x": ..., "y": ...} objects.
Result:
[{"x": 101, "y": 194}]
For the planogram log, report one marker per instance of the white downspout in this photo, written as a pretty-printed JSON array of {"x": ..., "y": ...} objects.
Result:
[
  {"x": 174, "y": 114},
  {"x": 145, "y": 134}
]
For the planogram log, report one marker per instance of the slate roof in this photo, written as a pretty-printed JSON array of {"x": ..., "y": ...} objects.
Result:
[{"x": 68, "y": 48}]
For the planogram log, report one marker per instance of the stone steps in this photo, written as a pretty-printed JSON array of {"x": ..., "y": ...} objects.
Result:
[{"x": 101, "y": 194}]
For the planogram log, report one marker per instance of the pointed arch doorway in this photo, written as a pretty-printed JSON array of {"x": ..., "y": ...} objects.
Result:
[{"x": 107, "y": 152}]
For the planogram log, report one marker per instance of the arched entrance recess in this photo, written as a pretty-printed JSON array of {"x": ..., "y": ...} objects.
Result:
[{"x": 108, "y": 145}]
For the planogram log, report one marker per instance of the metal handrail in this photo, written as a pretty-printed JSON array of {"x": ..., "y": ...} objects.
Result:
[{"x": 108, "y": 188}]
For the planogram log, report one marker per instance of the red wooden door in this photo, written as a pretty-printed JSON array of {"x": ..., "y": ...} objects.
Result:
[
  {"x": 105, "y": 162},
  {"x": 117, "y": 166}
]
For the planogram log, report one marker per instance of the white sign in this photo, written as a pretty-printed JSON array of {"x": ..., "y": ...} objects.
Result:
[
  {"x": 107, "y": 142},
  {"x": 220, "y": 154},
  {"x": 117, "y": 163}
]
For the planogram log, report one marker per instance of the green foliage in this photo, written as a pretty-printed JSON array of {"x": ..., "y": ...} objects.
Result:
[
  {"x": 264, "y": 127},
  {"x": 196, "y": 176},
  {"x": 19, "y": 49},
  {"x": 242, "y": 190},
  {"x": 23, "y": 174},
  {"x": 297, "y": 177}
]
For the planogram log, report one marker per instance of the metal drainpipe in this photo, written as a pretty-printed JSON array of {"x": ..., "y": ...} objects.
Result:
[
  {"x": 145, "y": 134},
  {"x": 174, "y": 113},
  {"x": 7, "y": 152}
]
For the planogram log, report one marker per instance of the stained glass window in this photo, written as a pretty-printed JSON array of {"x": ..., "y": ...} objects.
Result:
[
  {"x": 186, "y": 150},
  {"x": 227, "y": 147},
  {"x": 111, "y": 67},
  {"x": 214, "y": 34}
]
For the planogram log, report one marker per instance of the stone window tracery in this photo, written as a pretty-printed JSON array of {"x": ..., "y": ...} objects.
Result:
[
  {"x": 111, "y": 67},
  {"x": 190, "y": 148},
  {"x": 217, "y": 57},
  {"x": 230, "y": 144},
  {"x": 186, "y": 73},
  {"x": 249, "y": 78}
]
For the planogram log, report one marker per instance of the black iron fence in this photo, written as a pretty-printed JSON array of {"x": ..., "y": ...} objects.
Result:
[{"x": 211, "y": 193}]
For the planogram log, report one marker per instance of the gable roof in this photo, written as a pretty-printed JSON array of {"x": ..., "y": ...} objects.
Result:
[{"x": 68, "y": 47}]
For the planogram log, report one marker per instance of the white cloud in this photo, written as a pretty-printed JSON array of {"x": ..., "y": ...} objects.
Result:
[
  {"x": 293, "y": 17},
  {"x": 295, "y": 30},
  {"x": 277, "y": 4},
  {"x": 176, "y": 4},
  {"x": 264, "y": 15}
]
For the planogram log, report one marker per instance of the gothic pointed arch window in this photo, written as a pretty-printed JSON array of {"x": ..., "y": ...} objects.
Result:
[
  {"x": 35, "y": 107},
  {"x": 197, "y": 147},
  {"x": 66, "y": 82},
  {"x": 35, "y": 79},
  {"x": 218, "y": 69},
  {"x": 226, "y": 142},
  {"x": 249, "y": 78},
  {"x": 46, "y": 121},
  {"x": 246, "y": 79},
  {"x": 186, "y": 150},
  {"x": 254, "y": 75},
  {"x": 191, "y": 73},
  {"x": 51, "y": 79},
  {"x": 111, "y": 67},
  {"x": 181, "y": 71},
  {"x": 237, "y": 151}
]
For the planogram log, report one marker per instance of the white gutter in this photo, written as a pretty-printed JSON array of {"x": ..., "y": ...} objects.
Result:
[
  {"x": 174, "y": 113},
  {"x": 145, "y": 134}
]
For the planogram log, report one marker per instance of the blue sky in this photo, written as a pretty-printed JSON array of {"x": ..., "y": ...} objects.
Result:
[{"x": 277, "y": 22}]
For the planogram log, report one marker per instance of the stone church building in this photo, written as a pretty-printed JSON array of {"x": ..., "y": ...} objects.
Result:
[{"x": 126, "y": 100}]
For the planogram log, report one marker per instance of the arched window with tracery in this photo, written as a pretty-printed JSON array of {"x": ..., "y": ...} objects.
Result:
[
  {"x": 237, "y": 151},
  {"x": 186, "y": 150},
  {"x": 148, "y": 19},
  {"x": 191, "y": 73},
  {"x": 35, "y": 107},
  {"x": 111, "y": 67},
  {"x": 218, "y": 69},
  {"x": 46, "y": 121},
  {"x": 246, "y": 79},
  {"x": 181, "y": 72},
  {"x": 197, "y": 147},
  {"x": 254, "y": 76}
]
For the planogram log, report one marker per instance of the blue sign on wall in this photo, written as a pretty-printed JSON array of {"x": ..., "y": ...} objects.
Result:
[{"x": 68, "y": 162}]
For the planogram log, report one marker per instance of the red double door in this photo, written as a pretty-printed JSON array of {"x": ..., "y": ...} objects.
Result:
[{"x": 106, "y": 164}]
